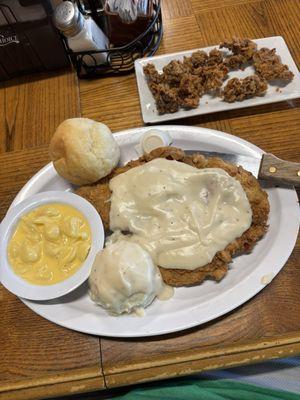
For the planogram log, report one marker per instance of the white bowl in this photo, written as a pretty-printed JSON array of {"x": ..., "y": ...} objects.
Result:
[{"x": 23, "y": 288}]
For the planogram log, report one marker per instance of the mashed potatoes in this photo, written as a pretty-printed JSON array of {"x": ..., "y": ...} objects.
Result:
[{"x": 124, "y": 278}]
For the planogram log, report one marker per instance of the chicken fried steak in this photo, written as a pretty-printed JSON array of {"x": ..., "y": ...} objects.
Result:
[{"x": 99, "y": 195}]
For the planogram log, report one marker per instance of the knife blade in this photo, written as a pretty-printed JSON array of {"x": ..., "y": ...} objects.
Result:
[{"x": 268, "y": 167}]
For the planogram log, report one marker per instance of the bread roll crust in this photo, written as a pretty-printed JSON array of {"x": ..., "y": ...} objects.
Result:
[{"x": 83, "y": 151}]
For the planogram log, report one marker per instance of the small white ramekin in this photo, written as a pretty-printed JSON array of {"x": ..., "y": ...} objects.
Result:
[
  {"x": 153, "y": 139},
  {"x": 23, "y": 288}
]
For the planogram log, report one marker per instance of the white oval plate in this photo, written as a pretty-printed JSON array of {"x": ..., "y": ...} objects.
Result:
[{"x": 189, "y": 306}]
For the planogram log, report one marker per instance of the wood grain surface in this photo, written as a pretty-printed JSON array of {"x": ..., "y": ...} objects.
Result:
[
  {"x": 31, "y": 108},
  {"x": 219, "y": 343},
  {"x": 279, "y": 171},
  {"x": 274, "y": 128},
  {"x": 40, "y": 359}
]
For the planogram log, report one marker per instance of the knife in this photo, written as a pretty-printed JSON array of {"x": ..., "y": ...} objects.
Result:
[{"x": 268, "y": 167}]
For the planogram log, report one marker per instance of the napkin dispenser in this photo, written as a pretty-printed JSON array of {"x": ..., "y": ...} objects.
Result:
[{"x": 28, "y": 40}]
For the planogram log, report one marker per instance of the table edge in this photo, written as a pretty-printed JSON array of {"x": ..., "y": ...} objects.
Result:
[
  {"x": 169, "y": 367},
  {"x": 241, "y": 354}
]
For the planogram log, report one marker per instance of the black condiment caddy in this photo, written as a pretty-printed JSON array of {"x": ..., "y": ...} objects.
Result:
[{"x": 120, "y": 60}]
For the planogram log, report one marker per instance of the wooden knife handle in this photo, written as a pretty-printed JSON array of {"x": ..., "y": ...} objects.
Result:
[{"x": 280, "y": 171}]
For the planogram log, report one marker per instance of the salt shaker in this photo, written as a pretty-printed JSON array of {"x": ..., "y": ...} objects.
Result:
[{"x": 82, "y": 33}]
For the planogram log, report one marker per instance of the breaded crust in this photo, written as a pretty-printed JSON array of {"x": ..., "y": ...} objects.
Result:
[{"x": 99, "y": 195}]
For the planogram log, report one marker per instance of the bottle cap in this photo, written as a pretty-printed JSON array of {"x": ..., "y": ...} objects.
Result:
[{"x": 68, "y": 19}]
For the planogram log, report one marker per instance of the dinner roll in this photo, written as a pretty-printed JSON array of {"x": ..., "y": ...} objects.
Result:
[{"x": 83, "y": 151}]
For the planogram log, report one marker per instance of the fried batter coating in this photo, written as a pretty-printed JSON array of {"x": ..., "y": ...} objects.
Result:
[
  {"x": 190, "y": 90},
  {"x": 268, "y": 65},
  {"x": 245, "y": 47},
  {"x": 235, "y": 61},
  {"x": 215, "y": 57},
  {"x": 176, "y": 87},
  {"x": 152, "y": 74},
  {"x": 182, "y": 83},
  {"x": 99, "y": 195},
  {"x": 213, "y": 76},
  {"x": 174, "y": 72},
  {"x": 166, "y": 98},
  {"x": 241, "y": 89},
  {"x": 196, "y": 60}
]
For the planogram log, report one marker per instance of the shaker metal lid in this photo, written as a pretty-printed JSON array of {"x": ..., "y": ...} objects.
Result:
[{"x": 68, "y": 19}]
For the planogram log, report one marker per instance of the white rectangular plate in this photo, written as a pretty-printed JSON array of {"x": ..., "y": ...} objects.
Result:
[{"x": 208, "y": 103}]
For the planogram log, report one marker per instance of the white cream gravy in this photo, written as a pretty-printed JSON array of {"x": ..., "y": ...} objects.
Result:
[{"x": 180, "y": 214}]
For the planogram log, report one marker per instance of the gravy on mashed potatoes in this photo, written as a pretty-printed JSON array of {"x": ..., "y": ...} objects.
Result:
[{"x": 124, "y": 278}]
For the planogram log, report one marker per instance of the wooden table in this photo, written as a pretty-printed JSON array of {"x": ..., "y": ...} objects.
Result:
[{"x": 40, "y": 359}]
